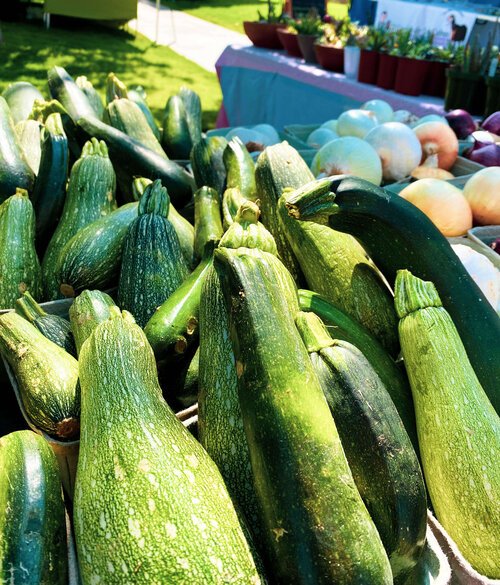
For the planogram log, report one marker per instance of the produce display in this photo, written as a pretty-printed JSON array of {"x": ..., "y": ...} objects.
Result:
[{"x": 338, "y": 357}]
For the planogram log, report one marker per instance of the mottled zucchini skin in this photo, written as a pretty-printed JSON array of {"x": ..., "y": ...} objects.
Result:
[
  {"x": 33, "y": 548},
  {"x": 20, "y": 97},
  {"x": 90, "y": 308},
  {"x": 150, "y": 505},
  {"x": 240, "y": 169},
  {"x": 176, "y": 138},
  {"x": 207, "y": 219},
  {"x": 207, "y": 162}
]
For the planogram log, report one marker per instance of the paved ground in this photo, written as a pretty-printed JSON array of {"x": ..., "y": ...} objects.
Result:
[{"x": 194, "y": 38}]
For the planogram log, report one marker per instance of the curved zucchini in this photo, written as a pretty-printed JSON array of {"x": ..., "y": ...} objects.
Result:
[
  {"x": 52, "y": 327},
  {"x": 131, "y": 159},
  {"x": 63, "y": 88},
  {"x": 32, "y": 519},
  {"x": 317, "y": 529},
  {"x": 240, "y": 169},
  {"x": 378, "y": 450},
  {"x": 19, "y": 265},
  {"x": 192, "y": 106},
  {"x": 47, "y": 377},
  {"x": 14, "y": 170},
  {"x": 90, "y": 308},
  {"x": 92, "y": 95},
  {"x": 207, "y": 162},
  {"x": 90, "y": 196},
  {"x": 20, "y": 97},
  {"x": 138, "y": 96},
  {"x": 232, "y": 200},
  {"x": 29, "y": 138},
  {"x": 398, "y": 235},
  {"x": 50, "y": 185},
  {"x": 207, "y": 219},
  {"x": 175, "y": 138},
  {"x": 91, "y": 258}
]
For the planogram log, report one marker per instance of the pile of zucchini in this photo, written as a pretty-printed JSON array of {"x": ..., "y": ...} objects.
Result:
[{"x": 280, "y": 305}]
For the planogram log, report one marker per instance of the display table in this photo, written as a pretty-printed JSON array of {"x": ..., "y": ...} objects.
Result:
[{"x": 259, "y": 85}]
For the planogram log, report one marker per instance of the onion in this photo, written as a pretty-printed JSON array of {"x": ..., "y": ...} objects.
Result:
[
  {"x": 492, "y": 123},
  {"x": 436, "y": 138},
  {"x": 404, "y": 116},
  {"x": 429, "y": 118},
  {"x": 330, "y": 125},
  {"x": 398, "y": 148},
  {"x": 484, "y": 136},
  {"x": 269, "y": 132},
  {"x": 442, "y": 203},
  {"x": 247, "y": 136},
  {"x": 461, "y": 123},
  {"x": 484, "y": 153},
  {"x": 320, "y": 137},
  {"x": 381, "y": 109},
  {"x": 356, "y": 123},
  {"x": 482, "y": 191},
  {"x": 430, "y": 170},
  {"x": 348, "y": 156}
]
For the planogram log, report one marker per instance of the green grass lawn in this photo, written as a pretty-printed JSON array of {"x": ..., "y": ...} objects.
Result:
[
  {"x": 29, "y": 50},
  {"x": 232, "y": 13}
]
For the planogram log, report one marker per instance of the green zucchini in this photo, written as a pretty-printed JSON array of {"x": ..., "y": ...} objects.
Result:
[
  {"x": 131, "y": 159},
  {"x": 278, "y": 168},
  {"x": 185, "y": 231},
  {"x": 182, "y": 391},
  {"x": 317, "y": 529},
  {"x": 173, "y": 327},
  {"x": 14, "y": 170},
  {"x": 92, "y": 95},
  {"x": 138, "y": 96},
  {"x": 152, "y": 265},
  {"x": 397, "y": 235},
  {"x": 458, "y": 428},
  {"x": 152, "y": 489},
  {"x": 336, "y": 266},
  {"x": 92, "y": 257},
  {"x": 29, "y": 138},
  {"x": 19, "y": 264},
  {"x": 20, "y": 97},
  {"x": 207, "y": 162},
  {"x": 207, "y": 219},
  {"x": 376, "y": 445},
  {"x": 63, "y": 88},
  {"x": 90, "y": 196},
  {"x": 52, "y": 327},
  {"x": 240, "y": 168},
  {"x": 115, "y": 88},
  {"x": 393, "y": 377},
  {"x": 33, "y": 546},
  {"x": 231, "y": 202},
  {"x": 175, "y": 138},
  {"x": 89, "y": 308},
  {"x": 126, "y": 116},
  {"x": 50, "y": 185},
  {"x": 192, "y": 106},
  {"x": 47, "y": 377}
]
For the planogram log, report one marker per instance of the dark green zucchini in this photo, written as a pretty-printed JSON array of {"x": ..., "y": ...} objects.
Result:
[
  {"x": 131, "y": 159},
  {"x": 90, "y": 196},
  {"x": 152, "y": 266},
  {"x": 207, "y": 219},
  {"x": 50, "y": 185},
  {"x": 115, "y": 88},
  {"x": 92, "y": 95},
  {"x": 29, "y": 138},
  {"x": 208, "y": 164},
  {"x": 317, "y": 529},
  {"x": 46, "y": 374},
  {"x": 398, "y": 235},
  {"x": 20, "y": 97},
  {"x": 175, "y": 138},
  {"x": 394, "y": 377},
  {"x": 192, "y": 106},
  {"x": 182, "y": 390},
  {"x": 92, "y": 257},
  {"x": 14, "y": 170},
  {"x": 19, "y": 265},
  {"x": 379, "y": 452},
  {"x": 240, "y": 168},
  {"x": 63, "y": 88},
  {"x": 138, "y": 96},
  {"x": 52, "y": 327},
  {"x": 90, "y": 308},
  {"x": 33, "y": 546}
]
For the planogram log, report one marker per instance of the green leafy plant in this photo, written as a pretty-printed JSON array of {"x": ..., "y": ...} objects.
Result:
[
  {"x": 401, "y": 42},
  {"x": 374, "y": 38},
  {"x": 272, "y": 14},
  {"x": 473, "y": 58},
  {"x": 311, "y": 24}
]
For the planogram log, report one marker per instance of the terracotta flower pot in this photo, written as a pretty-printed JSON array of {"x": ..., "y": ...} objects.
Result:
[
  {"x": 386, "y": 74},
  {"x": 368, "y": 66},
  {"x": 435, "y": 81},
  {"x": 290, "y": 42},
  {"x": 263, "y": 34},
  {"x": 330, "y": 58},
  {"x": 410, "y": 76},
  {"x": 306, "y": 44}
]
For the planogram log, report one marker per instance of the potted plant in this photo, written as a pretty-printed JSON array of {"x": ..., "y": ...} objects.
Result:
[
  {"x": 396, "y": 43},
  {"x": 413, "y": 66},
  {"x": 435, "y": 81},
  {"x": 263, "y": 32},
  {"x": 330, "y": 48},
  {"x": 371, "y": 44},
  {"x": 309, "y": 29},
  {"x": 289, "y": 39}
]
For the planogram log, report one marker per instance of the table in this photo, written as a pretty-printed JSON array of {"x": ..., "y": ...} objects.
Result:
[
  {"x": 120, "y": 10},
  {"x": 259, "y": 85}
]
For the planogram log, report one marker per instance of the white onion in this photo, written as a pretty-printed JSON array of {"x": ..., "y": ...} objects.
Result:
[
  {"x": 246, "y": 135},
  {"x": 269, "y": 132},
  {"x": 356, "y": 123},
  {"x": 350, "y": 156},
  {"x": 404, "y": 116},
  {"x": 330, "y": 125},
  {"x": 429, "y": 118},
  {"x": 484, "y": 136},
  {"x": 398, "y": 148},
  {"x": 482, "y": 191},
  {"x": 320, "y": 137},
  {"x": 381, "y": 109}
]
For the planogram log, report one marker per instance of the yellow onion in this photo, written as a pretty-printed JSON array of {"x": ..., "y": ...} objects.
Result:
[{"x": 482, "y": 191}]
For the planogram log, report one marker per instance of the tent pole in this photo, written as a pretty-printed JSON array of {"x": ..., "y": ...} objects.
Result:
[{"x": 157, "y": 20}]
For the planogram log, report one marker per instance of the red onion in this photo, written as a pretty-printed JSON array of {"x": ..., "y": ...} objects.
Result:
[
  {"x": 461, "y": 123},
  {"x": 492, "y": 123},
  {"x": 484, "y": 153}
]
